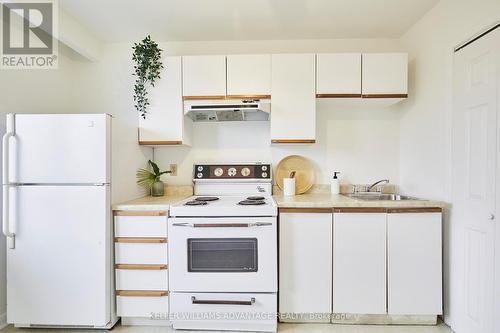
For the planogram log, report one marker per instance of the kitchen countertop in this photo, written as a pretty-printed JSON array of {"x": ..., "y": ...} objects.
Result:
[
  {"x": 312, "y": 200},
  {"x": 148, "y": 203},
  {"x": 327, "y": 200}
]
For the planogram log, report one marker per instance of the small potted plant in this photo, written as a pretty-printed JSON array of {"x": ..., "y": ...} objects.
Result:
[{"x": 151, "y": 179}]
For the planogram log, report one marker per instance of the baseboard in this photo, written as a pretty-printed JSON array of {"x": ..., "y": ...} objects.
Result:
[{"x": 3, "y": 320}]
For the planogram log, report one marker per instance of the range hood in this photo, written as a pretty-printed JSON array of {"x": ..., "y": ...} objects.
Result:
[{"x": 228, "y": 110}]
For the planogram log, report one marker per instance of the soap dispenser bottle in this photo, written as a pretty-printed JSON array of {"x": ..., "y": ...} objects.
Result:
[{"x": 335, "y": 186}]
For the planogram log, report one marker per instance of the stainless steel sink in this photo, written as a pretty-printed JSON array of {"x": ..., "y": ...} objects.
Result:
[{"x": 378, "y": 196}]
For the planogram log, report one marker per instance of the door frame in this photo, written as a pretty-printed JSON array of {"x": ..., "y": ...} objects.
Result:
[{"x": 453, "y": 319}]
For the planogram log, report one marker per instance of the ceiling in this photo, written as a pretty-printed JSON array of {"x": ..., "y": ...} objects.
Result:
[{"x": 205, "y": 20}]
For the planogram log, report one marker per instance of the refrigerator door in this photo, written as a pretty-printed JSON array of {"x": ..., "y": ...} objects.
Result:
[
  {"x": 60, "y": 149},
  {"x": 59, "y": 271}
]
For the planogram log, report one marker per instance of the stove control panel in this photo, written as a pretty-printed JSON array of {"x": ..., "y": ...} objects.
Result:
[{"x": 232, "y": 171}]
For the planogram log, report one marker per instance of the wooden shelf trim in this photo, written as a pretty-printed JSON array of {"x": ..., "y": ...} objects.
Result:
[
  {"x": 139, "y": 213},
  {"x": 141, "y": 266},
  {"x": 384, "y": 96},
  {"x": 141, "y": 293},
  {"x": 305, "y": 210},
  {"x": 140, "y": 240},
  {"x": 248, "y": 97},
  {"x": 415, "y": 210},
  {"x": 160, "y": 143},
  {"x": 338, "y": 95},
  {"x": 293, "y": 141},
  {"x": 360, "y": 210},
  {"x": 187, "y": 98}
]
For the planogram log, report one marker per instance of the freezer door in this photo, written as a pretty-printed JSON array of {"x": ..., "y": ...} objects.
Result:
[
  {"x": 60, "y": 148},
  {"x": 59, "y": 271}
]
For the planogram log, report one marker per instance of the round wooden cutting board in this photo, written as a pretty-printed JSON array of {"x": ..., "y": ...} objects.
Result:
[{"x": 304, "y": 173}]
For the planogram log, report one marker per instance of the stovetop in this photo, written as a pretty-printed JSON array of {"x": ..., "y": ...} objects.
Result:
[{"x": 226, "y": 205}]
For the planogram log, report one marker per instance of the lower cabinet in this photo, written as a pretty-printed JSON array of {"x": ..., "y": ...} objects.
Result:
[
  {"x": 305, "y": 265},
  {"x": 363, "y": 265},
  {"x": 414, "y": 263},
  {"x": 359, "y": 262},
  {"x": 141, "y": 267}
]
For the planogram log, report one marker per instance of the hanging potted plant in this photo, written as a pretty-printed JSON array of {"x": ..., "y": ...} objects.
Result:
[
  {"x": 147, "y": 68},
  {"x": 150, "y": 179}
]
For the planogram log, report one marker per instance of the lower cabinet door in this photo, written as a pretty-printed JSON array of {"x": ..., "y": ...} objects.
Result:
[
  {"x": 142, "y": 304},
  {"x": 305, "y": 265},
  {"x": 359, "y": 263},
  {"x": 414, "y": 263},
  {"x": 224, "y": 311}
]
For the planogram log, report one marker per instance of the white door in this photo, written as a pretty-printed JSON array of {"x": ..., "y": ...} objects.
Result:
[
  {"x": 60, "y": 149},
  {"x": 475, "y": 150},
  {"x": 414, "y": 264},
  {"x": 293, "y": 94},
  {"x": 58, "y": 273},
  {"x": 249, "y": 75},
  {"x": 338, "y": 75},
  {"x": 204, "y": 76},
  {"x": 359, "y": 263},
  {"x": 384, "y": 74},
  {"x": 305, "y": 265}
]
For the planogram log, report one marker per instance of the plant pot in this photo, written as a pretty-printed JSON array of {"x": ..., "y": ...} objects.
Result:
[{"x": 158, "y": 189}]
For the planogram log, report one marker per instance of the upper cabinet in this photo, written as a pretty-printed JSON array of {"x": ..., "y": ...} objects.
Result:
[
  {"x": 293, "y": 102},
  {"x": 204, "y": 77},
  {"x": 385, "y": 75},
  {"x": 165, "y": 123},
  {"x": 249, "y": 76},
  {"x": 338, "y": 75}
]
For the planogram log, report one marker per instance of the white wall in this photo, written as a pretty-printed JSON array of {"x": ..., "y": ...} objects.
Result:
[
  {"x": 348, "y": 139},
  {"x": 425, "y": 146}
]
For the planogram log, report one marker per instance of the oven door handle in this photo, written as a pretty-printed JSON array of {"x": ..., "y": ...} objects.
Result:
[
  {"x": 222, "y": 225},
  {"x": 221, "y": 302}
]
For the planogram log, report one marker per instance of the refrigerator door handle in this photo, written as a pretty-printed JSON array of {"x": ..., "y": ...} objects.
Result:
[{"x": 5, "y": 182}]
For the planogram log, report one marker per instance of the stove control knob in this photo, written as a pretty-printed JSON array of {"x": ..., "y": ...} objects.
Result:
[
  {"x": 245, "y": 172},
  {"x": 231, "y": 172},
  {"x": 264, "y": 174},
  {"x": 200, "y": 168},
  {"x": 264, "y": 168},
  {"x": 199, "y": 175},
  {"x": 218, "y": 172}
]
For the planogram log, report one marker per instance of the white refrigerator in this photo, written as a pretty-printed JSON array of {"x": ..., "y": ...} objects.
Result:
[{"x": 57, "y": 220}]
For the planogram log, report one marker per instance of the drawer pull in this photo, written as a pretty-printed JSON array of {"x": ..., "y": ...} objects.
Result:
[
  {"x": 222, "y": 225},
  {"x": 224, "y": 302},
  {"x": 141, "y": 266},
  {"x": 140, "y": 293},
  {"x": 140, "y": 240}
]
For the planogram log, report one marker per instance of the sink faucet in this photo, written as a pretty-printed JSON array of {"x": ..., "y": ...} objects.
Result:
[{"x": 369, "y": 188}]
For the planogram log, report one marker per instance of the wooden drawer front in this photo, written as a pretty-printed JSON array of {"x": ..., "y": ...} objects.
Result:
[
  {"x": 141, "y": 306},
  {"x": 140, "y": 226},
  {"x": 141, "y": 253},
  {"x": 225, "y": 304},
  {"x": 141, "y": 279}
]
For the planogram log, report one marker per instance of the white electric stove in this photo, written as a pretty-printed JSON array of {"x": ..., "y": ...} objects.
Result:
[{"x": 223, "y": 246}]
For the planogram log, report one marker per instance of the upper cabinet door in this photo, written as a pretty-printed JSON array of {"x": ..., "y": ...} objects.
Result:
[
  {"x": 338, "y": 75},
  {"x": 385, "y": 75},
  {"x": 204, "y": 77},
  {"x": 293, "y": 92},
  {"x": 165, "y": 123},
  {"x": 249, "y": 75}
]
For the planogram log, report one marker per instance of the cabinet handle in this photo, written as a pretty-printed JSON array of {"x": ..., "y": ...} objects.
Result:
[
  {"x": 224, "y": 302},
  {"x": 140, "y": 293},
  {"x": 140, "y": 240}
]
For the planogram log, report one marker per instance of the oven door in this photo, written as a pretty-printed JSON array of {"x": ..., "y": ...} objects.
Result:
[{"x": 223, "y": 254}]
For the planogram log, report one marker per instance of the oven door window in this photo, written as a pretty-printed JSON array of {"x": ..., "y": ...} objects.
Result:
[{"x": 211, "y": 255}]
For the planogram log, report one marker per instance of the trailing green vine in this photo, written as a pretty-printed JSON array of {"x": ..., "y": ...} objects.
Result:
[{"x": 148, "y": 65}]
